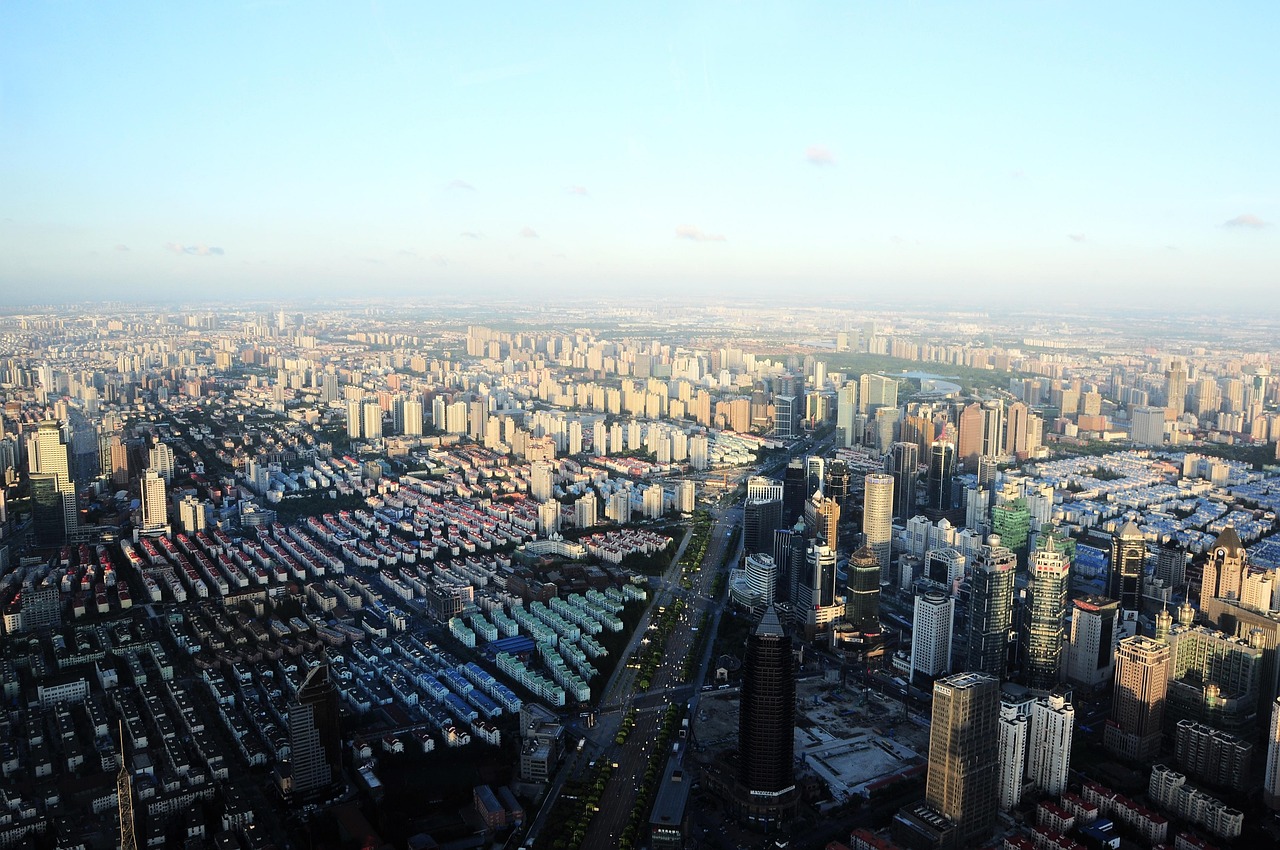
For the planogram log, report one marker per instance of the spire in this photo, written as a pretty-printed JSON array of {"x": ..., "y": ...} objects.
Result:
[
  {"x": 769, "y": 624},
  {"x": 1130, "y": 532}
]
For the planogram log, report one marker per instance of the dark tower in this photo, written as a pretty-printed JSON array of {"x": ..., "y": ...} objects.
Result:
[
  {"x": 766, "y": 724},
  {"x": 903, "y": 463},
  {"x": 942, "y": 471},
  {"x": 1128, "y": 554},
  {"x": 837, "y": 483},
  {"x": 314, "y": 738},
  {"x": 862, "y": 591},
  {"x": 794, "y": 482},
  {"x": 761, "y": 519}
]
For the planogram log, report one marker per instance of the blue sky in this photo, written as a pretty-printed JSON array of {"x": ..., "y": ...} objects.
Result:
[{"x": 957, "y": 152}]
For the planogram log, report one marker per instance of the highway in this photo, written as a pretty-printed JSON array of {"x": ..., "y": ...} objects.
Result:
[{"x": 632, "y": 757}]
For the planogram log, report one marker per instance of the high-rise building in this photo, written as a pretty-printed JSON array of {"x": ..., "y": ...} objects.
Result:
[
  {"x": 793, "y": 492},
  {"x": 1213, "y": 756},
  {"x": 818, "y": 590},
  {"x": 766, "y": 722},
  {"x": 1128, "y": 554},
  {"x": 876, "y": 391},
  {"x": 314, "y": 739},
  {"x": 877, "y": 519},
  {"x": 1271, "y": 780},
  {"x": 836, "y": 485},
  {"x": 154, "y": 517},
  {"x": 1148, "y": 426},
  {"x": 931, "y": 625},
  {"x": 355, "y": 419},
  {"x": 1095, "y": 623},
  {"x": 541, "y": 480},
  {"x": 963, "y": 774},
  {"x": 903, "y": 464},
  {"x": 991, "y": 609},
  {"x": 53, "y": 492},
  {"x": 862, "y": 591},
  {"x": 1014, "y": 721},
  {"x": 822, "y": 519},
  {"x": 1223, "y": 576},
  {"x": 191, "y": 514},
  {"x": 942, "y": 471},
  {"x": 686, "y": 494},
  {"x": 1171, "y": 564},
  {"x": 1043, "y": 634},
  {"x": 1175, "y": 389},
  {"x": 1015, "y": 433},
  {"x": 971, "y": 424},
  {"x": 846, "y": 412},
  {"x": 760, "y": 520},
  {"x": 161, "y": 460},
  {"x": 814, "y": 473},
  {"x": 1053, "y": 722},
  {"x": 787, "y": 413},
  {"x": 1137, "y": 705}
]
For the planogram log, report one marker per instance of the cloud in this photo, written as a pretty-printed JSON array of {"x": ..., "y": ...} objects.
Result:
[
  {"x": 580, "y": 191},
  {"x": 405, "y": 253},
  {"x": 528, "y": 232},
  {"x": 471, "y": 234},
  {"x": 819, "y": 155},
  {"x": 1076, "y": 237},
  {"x": 459, "y": 184},
  {"x": 439, "y": 260},
  {"x": 1247, "y": 220},
  {"x": 695, "y": 234},
  {"x": 122, "y": 247},
  {"x": 194, "y": 250}
]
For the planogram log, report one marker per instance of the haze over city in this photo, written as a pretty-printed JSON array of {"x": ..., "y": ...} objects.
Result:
[{"x": 1046, "y": 153}]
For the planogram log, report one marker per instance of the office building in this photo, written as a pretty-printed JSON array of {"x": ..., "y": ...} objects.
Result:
[
  {"x": 760, "y": 521},
  {"x": 787, "y": 413},
  {"x": 941, "y": 478},
  {"x": 1053, "y": 721},
  {"x": 903, "y": 464},
  {"x": 793, "y": 492},
  {"x": 1223, "y": 575},
  {"x": 154, "y": 513},
  {"x": 54, "y": 510},
  {"x": 862, "y": 591},
  {"x": 1271, "y": 777},
  {"x": 1128, "y": 555},
  {"x": 814, "y": 473},
  {"x": 822, "y": 519},
  {"x": 931, "y": 625},
  {"x": 876, "y": 391},
  {"x": 1147, "y": 426},
  {"x": 877, "y": 519},
  {"x": 1138, "y": 701},
  {"x": 1175, "y": 389},
  {"x": 1044, "y": 633},
  {"x": 314, "y": 738},
  {"x": 836, "y": 485},
  {"x": 766, "y": 723},
  {"x": 1095, "y": 623},
  {"x": 963, "y": 773},
  {"x": 846, "y": 413},
  {"x": 990, "y": 616},
  {"x": 160, "y": 459}
]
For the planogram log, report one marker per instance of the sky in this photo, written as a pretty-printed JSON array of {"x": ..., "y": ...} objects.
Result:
[{"x": 963, "y": 153}]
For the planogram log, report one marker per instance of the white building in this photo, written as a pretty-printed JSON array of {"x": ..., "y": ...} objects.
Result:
[
  {"x": 932, "y": 625},
  {"x": 653, "y": 501},
  {"x": 1014, "y": 722},
  {"x": 1053, "y": 721},
  {"x": 1271, "y": 783},
  {"x": 877, "y": 519},
  {"x": 686, "y": 497},
  {"x": 1148, "y": 426},
  {"x": 154, "y": 518}
]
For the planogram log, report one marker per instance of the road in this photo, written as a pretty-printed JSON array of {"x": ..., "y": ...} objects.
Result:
[{"x": 632, "y": 758}]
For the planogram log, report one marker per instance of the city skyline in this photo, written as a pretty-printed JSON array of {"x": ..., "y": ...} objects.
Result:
[{"x": 1030, "y": 154}]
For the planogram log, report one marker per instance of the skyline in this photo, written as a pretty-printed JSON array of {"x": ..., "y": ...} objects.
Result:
[{"x": 1063, "y": 152}]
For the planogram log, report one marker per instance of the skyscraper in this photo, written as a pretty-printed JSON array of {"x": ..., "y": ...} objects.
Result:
[
  {"x": 1223, "y": 576},
  {"x": 846, "y": 412},
  {"x": 155, "y": 509},
  {"x": 971, "y": 423},
  {"x": 766, "y": 723},
  {"x": 161, "y": 460},
  {"x": 787, "y": 412},
  {"x": 1095, "y": 621},
  {"x": 1271, "y": 780},
  {"x": 1128, "y": 554},
  {"x": 1137, "y": 706},
  {"x": 876, "y": 391},
  {"x": 942, "y": 471},
  {"x": 1043, "y": 636},
  {"x": 814, "y": 472},
  {"x": 836, "y": 485},
  {"x": 931, "y": 626},
  {"x": 963, "y": 775},
  {"x": 761, "y": 518},
  {"x": 1014, "y": 720},
  {"x": 314, "y": 739},
  {"x": 1175, "y": 389},
  {"x": 793, "y": 492},
  {"x": 822, "y": 519},
  {"x": 1053, "y": 722},
  {"x": 903, "y": 464},
  {"x": 991, "y": 609},
  {"x": 53, "y": 492},
  {"x": 877, "y": 519},
  {"x": 862, "y": 591}
]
